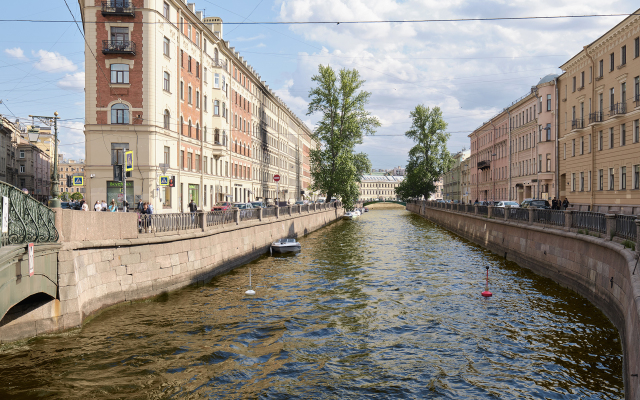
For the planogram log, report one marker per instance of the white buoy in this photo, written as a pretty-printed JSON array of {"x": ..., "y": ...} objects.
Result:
[{"x": 250, "y": 292}]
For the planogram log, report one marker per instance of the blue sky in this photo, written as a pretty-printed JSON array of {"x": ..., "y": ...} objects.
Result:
[{"x": 469, "y": 69}]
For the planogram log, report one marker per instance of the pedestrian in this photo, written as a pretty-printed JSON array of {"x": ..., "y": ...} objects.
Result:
[
  {"x": 193, "y": 208},
  {"x": 113, "y": 207},
  {"x": 554, "y": 204},
  {"x": 565, "y": 203},
  {"x": 149, "y": 208},
  {"x": 125, "y": 205},
  {"x": 97, "y": 206},
  {"x": 104, "y": 205},
  {"x": 85, "y": 206}
]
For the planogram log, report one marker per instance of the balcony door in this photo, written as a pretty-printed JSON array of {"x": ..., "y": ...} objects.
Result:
[{"x": 120, "y": 35}]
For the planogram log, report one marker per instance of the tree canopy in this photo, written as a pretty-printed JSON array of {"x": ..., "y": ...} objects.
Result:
[
  {"x": 429, "y": 159},
  {"x": 336, "y": 168}
]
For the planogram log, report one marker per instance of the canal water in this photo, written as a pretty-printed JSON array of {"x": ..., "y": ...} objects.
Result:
[{"x": 384, "y": 307}]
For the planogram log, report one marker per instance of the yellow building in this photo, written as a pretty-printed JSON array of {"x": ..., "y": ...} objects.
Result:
[
  {"x": 599, "y": 122},
  {"x": 379, "y": 187},
  {"x": 70, "y": 168}
]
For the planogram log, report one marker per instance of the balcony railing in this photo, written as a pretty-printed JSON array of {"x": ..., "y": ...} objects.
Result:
[
  {"x": 618, "y": 109},
  {"x": 595, "y": 117},
  {"x": 484, "y": 164},
  {"x": 577, "y": 123},
  {"x": 118, "y": 47},
  {"x": 118, "y": 7}
]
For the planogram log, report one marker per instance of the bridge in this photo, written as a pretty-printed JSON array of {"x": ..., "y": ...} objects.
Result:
[
  {"x": 387, "y": 201},
  {"x": 86, "y": 261}
]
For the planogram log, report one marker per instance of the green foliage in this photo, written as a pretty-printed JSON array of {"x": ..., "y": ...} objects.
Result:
[
  {"x": 335, "y": 167},
  {"x": 629, "y": 244},
  {"x": 64, "y": 196},
  {"x": 429, "y": 159},
  {"x": 76, "y": 196}
]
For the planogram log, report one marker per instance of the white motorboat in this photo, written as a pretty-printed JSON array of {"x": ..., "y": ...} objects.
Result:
[
  {"x": 285, "y": 246},
  {"x": 348, "y": 215}
]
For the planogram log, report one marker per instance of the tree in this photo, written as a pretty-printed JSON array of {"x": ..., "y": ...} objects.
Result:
[
  {"x": 335, "y": 167},
  {"x": 64, "y": 196},
  {"x": 429, "y": 159},
  {"x": 77, "y": 196}
]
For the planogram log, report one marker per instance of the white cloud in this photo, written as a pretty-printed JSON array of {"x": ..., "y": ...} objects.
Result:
[
  {"x": 16, "y": 52},
  {"x": 73, "y": 82},
  {"x": 53, "y": 62},
  {"x": 72, "y": 143}
]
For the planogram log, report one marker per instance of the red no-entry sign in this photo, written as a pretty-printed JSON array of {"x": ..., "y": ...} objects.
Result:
[{"x": 276, "y": 178}]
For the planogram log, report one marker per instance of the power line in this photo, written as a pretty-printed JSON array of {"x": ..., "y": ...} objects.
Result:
[{"x": 399, "y": 21}]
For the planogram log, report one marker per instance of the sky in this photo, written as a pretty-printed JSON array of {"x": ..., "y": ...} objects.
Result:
[{"x": 471, "y": 70}]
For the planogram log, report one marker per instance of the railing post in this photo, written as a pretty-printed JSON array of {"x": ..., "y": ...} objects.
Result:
[
  {"x": 637, "y": 221},
  {"x": 290, "y": 209},
  {"x": 260, "y": 213},
  {"x": 531, "y": 212},
  {"x": 507, "y": 210},
  {"x": 277, "y": 212},
  {"x": 475, "y": 209},
  {"x": 611, "y": 226},
  {"x": 236, "y": 216},
  {"x": 202, "y": 220},
  {"x": 568, "y": 219},
  {"x": 489, "y": 211}
]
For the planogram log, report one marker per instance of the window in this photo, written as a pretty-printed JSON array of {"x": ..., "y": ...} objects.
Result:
[
  {"x": 216, "y": 107},
  {"x": 600, "y": 179},
  {"x": 611, "y": 186},
  {"x": 166, "y": 84},
  {"x": 189, "y": 160},
  {"x": 22, "y": 169},
  {"x": 581, "y": 145},
  {"x": 623, "y": 92},
  {"x": 600, "y": 141},
  {"x": 205, "y": 103},
  {"x": 189, "y": 64},
  {"x": 165, "y": 10},
  {"x": 611, "y": 138},
  {"x": 565, "y": 151},
  {"x": 574, "y": 84},
  {"x": 548, "y": 102},
  {"x": 204, "y": 74},
  {"x": 636, "y": 176},
  {"x": 190, "y": 96},
  {"x": 197, "y": 131},
  {"x": 181, "y": 158},
  {"x": 623, "y": 178},
  {"x": 119, "y": 114},
  {"x": 582, "y": 181},
  {"x": 636, "y": 89},
  {"x": 215, "y": 56},
  {"x": 548, "y": 162},
  {"x": 636, "y": 47},
  {"x": 573, "y": 182},
  {"x": 21, "y": 153},
  {"x": 636, "y": 131},
  {"x": 582, "y": 79},
  {"x": 539, "y": 162},
  {"x": 189, "y": 130},
  {"x": 119, "y": 73},
  {"x": 573, "y": 147},
  {"x": 189, "y": 31},
  {"x": 181, "y": 90},
  {"x": 612, "y": 61},
  {"x": 120, "y": 36},
  {"x": 601, "y": 65},
  {"x": 623, "y": 134},
  {"x": 198, "y": 162},
  {"x": 166, "y": 47},
  {"x": 182, "y": 58},
  {"x": 197, "y": 99},
  {"x": 197, "y": 69},
  {"x": 167, "y": 119},
  {"x": 623, "y": 55},
  {"x": 216, "y": 81},
  {"x": 548, "y": 132},
  {"x": 117, "y": 152},
  {"x": 181, "y": 125},
  {"x": 167, "y": 155}
]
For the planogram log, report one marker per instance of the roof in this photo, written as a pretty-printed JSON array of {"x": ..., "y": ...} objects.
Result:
[
  {"x": 382, "y": 178},
  {"x": 548, "y": 78}
]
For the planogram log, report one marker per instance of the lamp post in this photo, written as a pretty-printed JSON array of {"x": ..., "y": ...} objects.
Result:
[{"x": 54, "y": 202}]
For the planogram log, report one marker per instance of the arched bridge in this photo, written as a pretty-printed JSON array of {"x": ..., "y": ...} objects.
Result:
[
  {"x": 27, "y": 221},
  {"x": 388, "y": 201}
]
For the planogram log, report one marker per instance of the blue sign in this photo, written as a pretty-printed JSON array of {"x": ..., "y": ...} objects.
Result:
[
  {"x": 164, "y": 181},
  {"x": 78, "y": 180},
  {"x": 128, "y": 161}
]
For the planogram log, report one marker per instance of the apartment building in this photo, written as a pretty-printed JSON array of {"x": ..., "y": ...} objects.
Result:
[
  {"x": 452, "y": 184},
  {"x": 70, "y": 168},
  {"x": 379, "y": 187},
  {"x": 187, "y": 104},
  {"x": 489, "y": 159},
  {"x": 599, "y": 121},
  {"x": 438, "y": 192}
]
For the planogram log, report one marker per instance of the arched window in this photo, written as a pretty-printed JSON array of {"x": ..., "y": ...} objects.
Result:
[
  {"x": 119, "y": 114},
  {"x": 167, "y": 119},
  {"x": 215, "y": 56},
  {"x": 189, "y": 130},
  {"x": 197, "y": 131},
  {"x": 181, "y": 125}
]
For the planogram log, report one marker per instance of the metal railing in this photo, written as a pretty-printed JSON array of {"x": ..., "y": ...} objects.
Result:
[
  {"x": 249, "y": 214},
  {"x": 618, "y": 108},
  {"x": 577, "y": 123},
  {"x": 219, "y": 217},
  {"x": 497, "y": 212},
  {"x": 118, "y": 7},
  {"x": 549, "y": 217},
  {"x": 304, "y": 208},
  {"x": 469, "y": 208},
  {"x": 519, "y": 214},
  {"x": 118, "y": 47},
  {"x": 29, "y": 221},
  {"x": 626, "y": 226},
  {"x": 167, "y": 222},
  {"x": 483, "y": 210},
  {"x": 595, "y": 117},
  {"x": 589, "y": 220},
  {"x": 268, "y": 212}
]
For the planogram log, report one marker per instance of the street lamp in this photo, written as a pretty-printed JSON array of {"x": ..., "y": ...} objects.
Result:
[{"x": 54, "y": 202}]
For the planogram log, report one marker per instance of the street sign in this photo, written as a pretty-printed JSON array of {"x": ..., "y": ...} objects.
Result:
[
  {"x": 163, "y": 167},
  {"x": 32, "y": 267},
  {"x": 78, "y": 180},
  {"x": 128, "y": 161},
  {"x": 276, "y": 178},
  {"x": 164, "y": 181}
]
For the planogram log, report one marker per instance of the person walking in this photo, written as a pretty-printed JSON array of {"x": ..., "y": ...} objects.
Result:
[
  {"x": 104, "y": 205},
  {"x": 192, "y": 209},
  {"x": 565, "y": 203},
  {"x": 113, "y": 207},
  {"x": 554, "y": 204},
  {"x": 85, "y": 206},
  {"x": 149, "y": 208},
  {"x": 97, "y": 206}
]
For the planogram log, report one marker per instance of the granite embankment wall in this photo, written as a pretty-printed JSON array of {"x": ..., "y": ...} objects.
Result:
[
  {"x": 600, "y": 270},
  {"x": 94, "y": 274}
]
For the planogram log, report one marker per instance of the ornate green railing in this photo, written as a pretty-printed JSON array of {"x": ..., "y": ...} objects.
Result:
[{"x": 29, "y": 220}]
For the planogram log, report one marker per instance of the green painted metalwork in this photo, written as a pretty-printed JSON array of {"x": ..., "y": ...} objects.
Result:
[{"x": 29, "y": 220}]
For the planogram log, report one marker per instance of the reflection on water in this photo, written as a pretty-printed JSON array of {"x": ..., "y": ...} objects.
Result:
[{"x": 386, "y": 306}]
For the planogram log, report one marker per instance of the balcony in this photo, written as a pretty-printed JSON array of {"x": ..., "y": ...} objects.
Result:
[
  {"x": 484, "y": 164},
  {"x": 618, "y": 109},
  {"x": 122, "y": 8},
  {"x": 577, "y": 123},
  {"x": 118, "y": 47},
  {"x": 595, "y": 117}
]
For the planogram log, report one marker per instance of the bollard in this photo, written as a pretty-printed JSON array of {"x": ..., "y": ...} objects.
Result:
[
  {"x": 568, "y": 219},
  {"x": 236, "y": 216},
  {"x": 489, "y": 211},
  {"x": 475, "y": 209},
  {"x": 507, "y": 211},
  {"x": 260, "y": 213},
  {"x": 531, "y": 212},
  {"x": 611, "y": 226},
  {"x": 277, "y": 212},
  {"x": 202, "y": 220}
]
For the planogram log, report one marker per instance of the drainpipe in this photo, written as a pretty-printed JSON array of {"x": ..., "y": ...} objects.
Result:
[{"x": 591, "y": 147}]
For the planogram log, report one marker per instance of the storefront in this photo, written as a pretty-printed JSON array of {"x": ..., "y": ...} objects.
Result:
[
  {"x": 115, "y": 192},
  {"x": 194, "y": 194}
]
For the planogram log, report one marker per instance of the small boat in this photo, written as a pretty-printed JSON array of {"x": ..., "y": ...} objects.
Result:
[
  {"x": 285, "y": 246},
  {"x": 366, "y": 209},
  {"x": 348, "y": 215}
]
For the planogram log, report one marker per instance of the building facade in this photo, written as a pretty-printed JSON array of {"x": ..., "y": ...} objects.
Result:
[
  {"x": 187, "y": 105},
  {"x": 379, "y": 187},
  {"x": 71, "y": 168},
  {"x": 452, "y": 185},
  {"x": 489, "y": 159},
  {"x": 599, "y": 121},
  {"x": 438, "y": 192}
]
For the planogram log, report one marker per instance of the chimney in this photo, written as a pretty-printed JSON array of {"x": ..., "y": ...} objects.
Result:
[{"x": 215, "y": 24}]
